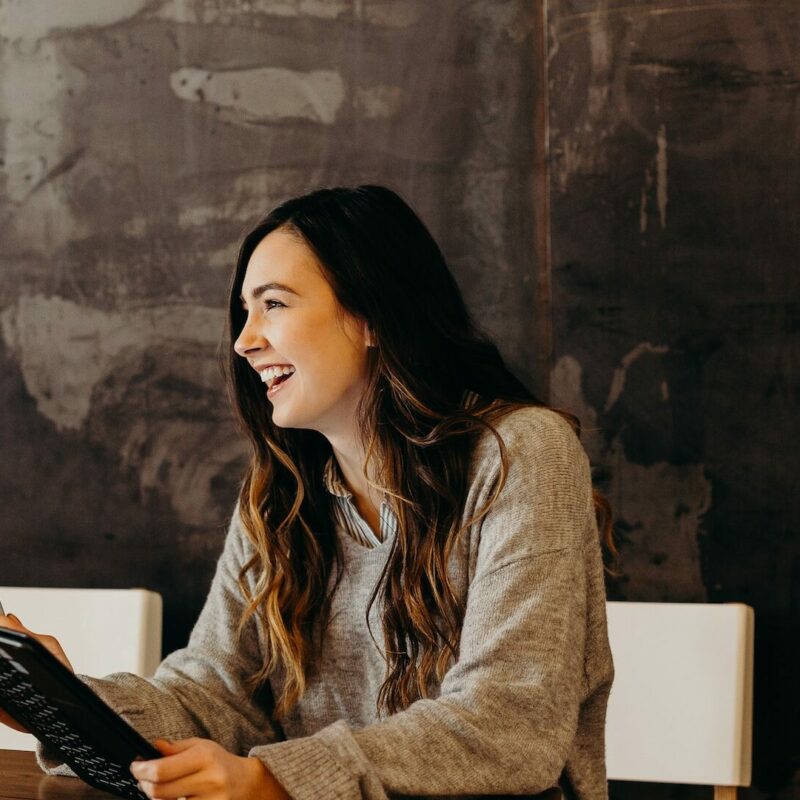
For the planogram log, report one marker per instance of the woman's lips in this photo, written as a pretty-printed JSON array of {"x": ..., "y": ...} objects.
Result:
[{"x": 278, "y": 385}]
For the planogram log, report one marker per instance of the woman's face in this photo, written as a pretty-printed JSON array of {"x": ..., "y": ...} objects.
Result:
[{"x": 299, "y": 323}]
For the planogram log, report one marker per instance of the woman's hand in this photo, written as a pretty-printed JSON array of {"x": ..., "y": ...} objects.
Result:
[
  {"x": 200, "y": 768},
  {"x": 12, "y": 623}
]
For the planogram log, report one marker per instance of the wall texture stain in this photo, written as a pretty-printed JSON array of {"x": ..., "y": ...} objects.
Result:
[
  {"x": 65, "y": 350},
  {"x": 675, "y": 188},
  {"x": 265, "y": 94},
  {"x": 658, "y": 506}
]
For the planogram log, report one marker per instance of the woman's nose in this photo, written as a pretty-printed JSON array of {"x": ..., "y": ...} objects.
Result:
[{"x": 249, "y": 341}]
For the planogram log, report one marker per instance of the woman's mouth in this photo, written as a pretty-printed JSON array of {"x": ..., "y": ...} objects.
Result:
[{"x": 275, "y": 377}]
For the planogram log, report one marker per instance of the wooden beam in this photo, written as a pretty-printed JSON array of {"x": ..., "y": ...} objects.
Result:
[{"x": 543, "y": 312}]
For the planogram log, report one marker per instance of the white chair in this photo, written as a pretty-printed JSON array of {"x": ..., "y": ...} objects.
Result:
[
  {"x": 101, "y": 630},
  {"x": 681, "y": 706}
]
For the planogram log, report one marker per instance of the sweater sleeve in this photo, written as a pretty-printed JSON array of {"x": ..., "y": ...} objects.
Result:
[
  {"x": 198, "y": 690},
  {"x": 506, "y": 716}
]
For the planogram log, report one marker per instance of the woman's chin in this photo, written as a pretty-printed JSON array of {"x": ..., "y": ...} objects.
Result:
[
  {"x": 283, "y": 417},
  {"x": 279, "y": 417}
]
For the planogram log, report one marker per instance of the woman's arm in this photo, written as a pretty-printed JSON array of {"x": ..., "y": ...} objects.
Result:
[
  {"x": 507, "y": 717},
  {"x": 197, "y": 691}
]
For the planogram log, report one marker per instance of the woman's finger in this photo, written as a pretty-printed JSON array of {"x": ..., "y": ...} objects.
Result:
[
  {"x": 169, "y": 748},
  {"x": 191, "y": 785},
  {"x": 12, "y": 623},
  {"x": 50, "y": 643},
  {"x": 187, "y": 758},
  {"x": 7, "y": 719},
  {"x": 178, "y": 774}
]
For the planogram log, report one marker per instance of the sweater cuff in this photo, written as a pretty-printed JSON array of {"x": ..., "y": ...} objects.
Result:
[
  {"x": 50, "y": 762},
  {"x": 326, "y": 766}
]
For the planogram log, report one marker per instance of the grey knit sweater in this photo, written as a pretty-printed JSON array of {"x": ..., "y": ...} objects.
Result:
[{"x": 522, "y": 709}]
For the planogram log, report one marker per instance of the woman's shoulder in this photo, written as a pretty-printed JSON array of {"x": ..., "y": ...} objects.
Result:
[
  {"x": 543, "y": 457},
  {"x": 531, "y": 433},
  {"x": 546, "y": 483}
]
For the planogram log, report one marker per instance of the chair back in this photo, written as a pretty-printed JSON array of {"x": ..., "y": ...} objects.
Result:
[
  {"x": 681, "y": 706},
  {"x": 101, "y": 630}
]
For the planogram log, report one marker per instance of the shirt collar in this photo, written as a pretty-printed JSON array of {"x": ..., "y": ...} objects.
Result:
[{"x": 332, "y": 477}]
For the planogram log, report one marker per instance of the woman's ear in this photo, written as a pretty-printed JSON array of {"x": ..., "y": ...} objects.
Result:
[{"x": 369, "y": 334}]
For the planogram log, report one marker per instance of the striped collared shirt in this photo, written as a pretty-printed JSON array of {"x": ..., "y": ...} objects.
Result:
[{"x": 348, "y": 515}]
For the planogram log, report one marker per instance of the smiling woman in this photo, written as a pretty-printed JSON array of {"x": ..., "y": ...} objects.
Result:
[{"x": 411, "y": 599}]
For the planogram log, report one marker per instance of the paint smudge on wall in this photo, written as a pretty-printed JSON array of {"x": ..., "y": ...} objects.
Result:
[
  {"x": 380, "y": 102},
  {"x": 37, "y": 149},
  {"x": 389, "y": 13},
  {"x": 566, "y": 391},
  {"x": 200, "y": 12},
  {"x": 42, "y": 17},
  {"x": 249, "y": 194},
  {"x": 265, "y": 94},
  {"x": 661, "y": 181},
  {"x": 645, "y": 194},
  {"x": 600, "y": 50},
  {"x": 144, "y": 383},
  {"x": 618, "y": 379},
  {"x": 658, "y": 509},
  {"x": 513, "y": 19},
  {"x": 386, "y": 13},
  {"x": 65, "y": 349},
  {"x": 662, "y": 195}
]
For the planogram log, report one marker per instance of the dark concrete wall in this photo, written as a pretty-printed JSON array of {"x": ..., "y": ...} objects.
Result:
[
  {"x": 139, "y": 140},
  {"x": 675, "y": 189},
  {"x": 140, "y": 137}
]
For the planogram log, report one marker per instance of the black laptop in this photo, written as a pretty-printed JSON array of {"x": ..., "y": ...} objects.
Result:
[{"x": 38, "y": 691}]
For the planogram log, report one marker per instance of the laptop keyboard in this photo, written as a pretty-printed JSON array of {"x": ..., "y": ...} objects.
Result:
[{"x": 32, "y": 710}]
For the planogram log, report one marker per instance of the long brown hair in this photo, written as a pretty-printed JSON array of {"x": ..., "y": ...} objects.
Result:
[{"x": 384, "y": 267}]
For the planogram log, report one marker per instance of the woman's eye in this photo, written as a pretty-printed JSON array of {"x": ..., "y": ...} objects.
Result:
[{"x": 270, "y": 304}]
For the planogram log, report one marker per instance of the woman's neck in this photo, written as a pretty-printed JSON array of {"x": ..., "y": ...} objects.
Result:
[{"x": 350, "y": 459}]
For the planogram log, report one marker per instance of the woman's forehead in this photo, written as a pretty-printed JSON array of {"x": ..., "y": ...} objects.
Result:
[{"x": 282, "y": 260}]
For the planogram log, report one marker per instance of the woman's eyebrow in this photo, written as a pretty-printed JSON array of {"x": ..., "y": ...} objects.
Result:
[{"x": 265, "y": 287}]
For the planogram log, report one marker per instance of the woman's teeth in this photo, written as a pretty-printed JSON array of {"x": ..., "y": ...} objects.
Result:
[{"x": 271, "y": 374}]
